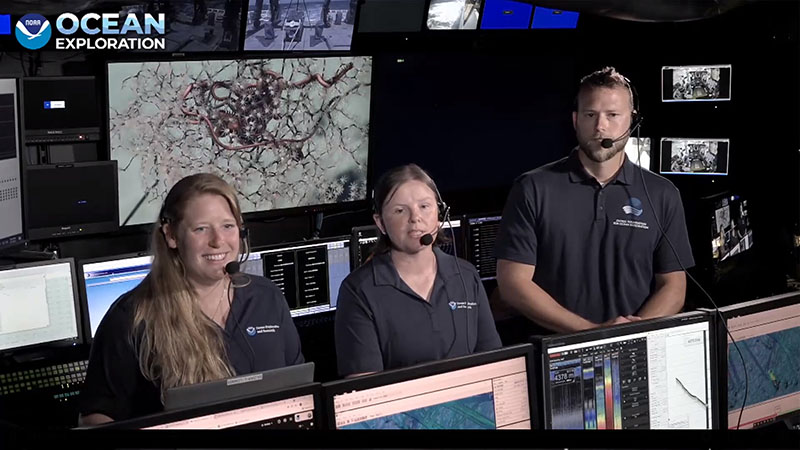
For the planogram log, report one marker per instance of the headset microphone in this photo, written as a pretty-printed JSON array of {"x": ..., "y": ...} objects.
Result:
[
  {"x": 232, "y": 268},
  {"x": 426, "y": 239},
  {"x": 608, "y": 143}
]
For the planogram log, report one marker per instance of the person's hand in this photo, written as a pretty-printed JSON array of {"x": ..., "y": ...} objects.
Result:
[{"x": 618, "y": 320}]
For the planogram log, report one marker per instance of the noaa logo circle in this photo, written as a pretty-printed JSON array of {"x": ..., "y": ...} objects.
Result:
[
  {"x": 452, "y": 305},
  {"x": 634, "y": 208},
  {"x": 33, "y": 31},
  {"x": 251, "y": 331}
]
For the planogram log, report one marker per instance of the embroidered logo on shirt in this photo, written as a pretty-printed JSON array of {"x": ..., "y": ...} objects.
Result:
[
  {"x": 452, "y": 305},
  {"x": 252, "y": 331},
  {"x": 634, "y": 207},
  {"x": 462, "y": 305}
]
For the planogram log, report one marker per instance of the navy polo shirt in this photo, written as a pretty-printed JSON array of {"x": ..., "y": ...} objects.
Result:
[
  {"x": 259, "y": 335},
  {"x": 382, "y": 324},
  {"x": 596, "y": 248}
]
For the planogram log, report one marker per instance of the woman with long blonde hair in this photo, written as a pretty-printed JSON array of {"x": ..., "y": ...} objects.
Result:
[{"x": 187, "y": 322}]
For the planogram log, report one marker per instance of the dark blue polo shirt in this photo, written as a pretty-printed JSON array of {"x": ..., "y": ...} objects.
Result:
[
  {"x": 596, "y": 248},
  {"x": 382, "y": 324},
  {"x": 259, "y": 335}
]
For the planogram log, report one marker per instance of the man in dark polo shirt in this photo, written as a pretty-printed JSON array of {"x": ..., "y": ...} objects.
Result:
[{"x": 580, "y": 243}]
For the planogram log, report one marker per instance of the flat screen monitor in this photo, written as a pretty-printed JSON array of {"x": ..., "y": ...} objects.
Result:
[
  {"x": 696, "y": 83},
  {"x": 638, "y": 151},
  {"x": 481, "y": 236},
  {"x": 10, "y": 179},
  {"x": 547, "y": 18},
  {"x": 61, "y": 202},
  {"x": 453, "y": 230},
  {"x": 655, "y": 374},
  {"x": 106, "y": 279},
  {"x": 60, "y": 109},
  {"x": 39, "y": 306},
  {"x": 767, "y": 332},
  {"x": 362, "y": 244},
  {"x": 296, "y": 26},
  {"x": 309, "y": 273},
  {"x": 291, "y": 409},
  {"x": 731, "y": 230},
  {"x": 286, "y": 133},
  {"x": 453, "y": 14},
  {"x": 490, "y": 390},
  {"x": 691, "y": 156},
  {"x": 506, "y": 15}
]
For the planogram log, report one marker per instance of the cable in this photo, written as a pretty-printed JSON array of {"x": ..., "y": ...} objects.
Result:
[
  {"x": 463, "y": 283},
  {"x": 677, "y": 258}
]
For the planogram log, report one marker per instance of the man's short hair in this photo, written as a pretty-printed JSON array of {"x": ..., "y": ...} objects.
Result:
[{"x": 607, "y": 77}]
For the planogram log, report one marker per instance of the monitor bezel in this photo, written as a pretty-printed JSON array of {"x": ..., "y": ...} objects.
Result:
[
  {"x": 629, "y": 328},
  {"x": 333, "y": 388},
  {"x": 164, "y": 417},
  {"x": 465, "y": 222},
  {"x": 700, "y": 66},
  {"x": 18, "y": 239},
  {"x": 248, "y": 56},
  {"x": 85, "y": 228},
  {"x": 739, "y": 310},
  {"x": 79, "y": 339},
  {"x": 59, "y": 135},
  {"x": 666, "y": 171}
]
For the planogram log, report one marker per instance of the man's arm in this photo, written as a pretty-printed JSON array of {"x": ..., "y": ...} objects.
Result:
[
  {"x": 668, "y": 297},
  {"x": 515, "y": 281}
]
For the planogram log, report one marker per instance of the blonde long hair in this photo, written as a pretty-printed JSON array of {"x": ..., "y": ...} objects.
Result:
[{"x": 178, "y": 343}]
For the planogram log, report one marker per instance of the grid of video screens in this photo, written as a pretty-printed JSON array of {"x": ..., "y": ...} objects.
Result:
[
  {"x": 453, "y": 14},
  {"x": 304, "y": 25},
  {"x": 767, "y": 332},
  {"x": 285, "y": 133},
  {"x": 696, "y": 83},
  {"x": 654, "y": 375},
  {"x": 309, "y": 274},
  {"x": 692, "y": 156},
  {"x": 39, "y": 305},
  {"x": 481, "y": 237},
  {"x": 10, "y": 180},
  {"x": 473, "y": 392},
  {"x": 731, "y": 232}
]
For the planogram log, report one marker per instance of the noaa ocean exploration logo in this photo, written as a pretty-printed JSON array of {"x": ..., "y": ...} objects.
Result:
[
  {"x": 251, "y": 331},
  {"x": 33, "y": 31},
  {"x": 634, "y": 207},
  {"x": 452, "y": 305}
]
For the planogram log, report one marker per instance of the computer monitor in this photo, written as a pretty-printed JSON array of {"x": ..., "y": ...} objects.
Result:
[
  {"x": 481, "y": 236},
  {"x": 690, "y": 156},
  {"x": 731, "y": 231},
  {"x": 105, "y": 280},
  {"x": 767, "y": 332},
  {"x": 547, "y": 18},
  {"x": 60, "y": 202},
  {"x": 286, "y": 133},
  {"x": 654, "y": 374},
  {"x": 60, "y": 109},
  {"x": 450, "y": 15},
  {"x": 362, "y": 244},
  {"x": 293, "y": 26},
  {"x": 39, "y": 306},
  {"x": 490, "y": 390},
  {"x": 290, "y": 409},
  {"x": 247, "y": 385},
  {"x": 309, "y": 273},
  {"x": 454, "y": 231},
  {"x": 638, "y": 151},
  {"x": 696, "y": 83},
  {"x": 506, "y": 15},
  {"x": 10, "y": 179}
]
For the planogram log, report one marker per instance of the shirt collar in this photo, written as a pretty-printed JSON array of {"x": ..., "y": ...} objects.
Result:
[
  {"x": 385, "y": 274},
  {"x": 578, "y": 174}
]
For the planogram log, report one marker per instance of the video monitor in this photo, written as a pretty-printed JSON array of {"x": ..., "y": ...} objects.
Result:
[
  {"x": 506, "y": 15},
  {"x": 309, "y": 273},
  {"x": 453, "y": 230},
  {"x": 453, "y": 14},
  {"x": 654, "y": 374},
  {"x": 39, "y": 306},
  {"x": 547, "y": 18},
  {"x": 193, "y": 26},
  {"x": 731, "y": 232},
  {"x": 295, "y": 26},
  {"x": 362, "y": 243},
  {"x": 767, "y": 333},
  {"x": 691, "y": 156},
  {"x": 10, "y": 179},
  {"x": 484, "y": 391},
  {"x": 60, "y": 109},
  {"x": 696, "y": 83},
  {"x": 481, "y": 237},
  {"x": 285, "y": 133},
  {"x": 291, "y": 409},
  {"x": 74, "y": 199},
  {"x": 106, "y": 279},
  {"x": 638, "y": 151}
]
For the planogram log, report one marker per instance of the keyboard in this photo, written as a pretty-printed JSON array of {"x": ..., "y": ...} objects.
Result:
[{"x": 64, "y": 379}]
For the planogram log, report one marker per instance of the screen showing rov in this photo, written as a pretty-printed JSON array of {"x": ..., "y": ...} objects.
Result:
[
  {"x": 309, "y": 274},
  {"x": 489, "y": 396},
  {"x": 770, "y": 345},
  {"x": 37, "y": 305},
  {"x": 106, "y": 281},
  {"x": 653, "y": 379}
]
